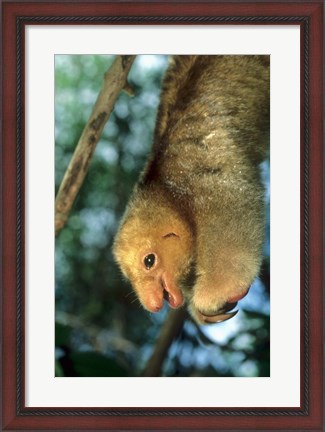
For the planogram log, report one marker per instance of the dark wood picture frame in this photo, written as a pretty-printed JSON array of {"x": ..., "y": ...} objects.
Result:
[{"x": 15, "y": 16}]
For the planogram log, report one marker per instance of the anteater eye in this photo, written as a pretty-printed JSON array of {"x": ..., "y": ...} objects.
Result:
[
  {"x": 170, "y": 235},
  {"x": 149, "y": 261}
]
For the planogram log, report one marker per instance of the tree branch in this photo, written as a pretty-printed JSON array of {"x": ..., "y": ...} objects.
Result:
[
  {"x": 169, "y": 331},
  {"x": 114, "y": 81}
]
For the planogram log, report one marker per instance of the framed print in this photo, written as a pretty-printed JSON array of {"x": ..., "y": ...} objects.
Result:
[{"x": 79, "y": 352}]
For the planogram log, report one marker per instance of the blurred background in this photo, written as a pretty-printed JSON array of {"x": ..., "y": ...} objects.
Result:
[{"x": 100, "y": 327}]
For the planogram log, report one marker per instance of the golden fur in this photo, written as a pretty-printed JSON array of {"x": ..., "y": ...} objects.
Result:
[{"x": 198, "y": 206}]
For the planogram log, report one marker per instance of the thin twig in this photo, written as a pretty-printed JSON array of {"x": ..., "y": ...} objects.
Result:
[
  {"x": 169, "y": 331},
  {"x": 114, "y": 81}
]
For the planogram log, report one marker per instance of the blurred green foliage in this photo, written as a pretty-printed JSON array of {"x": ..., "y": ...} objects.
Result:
[{"x": 101, "y": 329}]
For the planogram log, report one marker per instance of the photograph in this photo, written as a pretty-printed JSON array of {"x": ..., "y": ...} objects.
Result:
[{"x": 170, "y": 228}]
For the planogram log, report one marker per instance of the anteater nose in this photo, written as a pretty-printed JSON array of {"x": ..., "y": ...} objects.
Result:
[{"x": 155, "y": 304}]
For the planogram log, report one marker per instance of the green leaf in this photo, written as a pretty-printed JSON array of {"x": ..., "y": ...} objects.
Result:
[
  {"x": 92, "y": 364},
  {"x": 62, "y": 334},
  {"x": 58, "y": 369}
]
